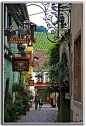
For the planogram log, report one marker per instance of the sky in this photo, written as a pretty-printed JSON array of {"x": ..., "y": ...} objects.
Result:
[{"x": 38, "y": 18}]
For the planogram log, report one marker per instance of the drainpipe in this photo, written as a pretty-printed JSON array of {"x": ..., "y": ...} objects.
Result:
[{"x": 61, "y": 103}]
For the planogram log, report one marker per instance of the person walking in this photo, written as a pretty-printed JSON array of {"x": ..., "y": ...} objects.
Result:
[
  {"x": 52, "y": 102},
  {"x": 36, "y": 102},
  {"x": 40, "y": 103}
]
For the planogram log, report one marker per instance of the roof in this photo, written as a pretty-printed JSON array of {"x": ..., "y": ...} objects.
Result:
[
  {"x": 20, "y": 57},
  {"x": 13, "y": 8},
  {"x": 42, "y": 57}
]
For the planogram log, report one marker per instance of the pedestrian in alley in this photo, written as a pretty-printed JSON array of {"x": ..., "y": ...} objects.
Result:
[
  {"x": 36, "y": 101},
  {"x": 52, "y": 102},
  {"x": 40, "y": 103}
]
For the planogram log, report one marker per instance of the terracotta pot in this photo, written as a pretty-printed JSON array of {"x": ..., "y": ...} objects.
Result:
[
  {"x": 28, "y": 107},
  {"x": 24, "y": 111}
]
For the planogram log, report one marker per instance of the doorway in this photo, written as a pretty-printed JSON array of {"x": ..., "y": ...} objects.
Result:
[{"x": 7, "y": 87}]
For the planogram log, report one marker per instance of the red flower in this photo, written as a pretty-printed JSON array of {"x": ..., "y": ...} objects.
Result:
[
  {"x": 54, "y": 120},
  {"x": 9, "y": 102},
  {"x": 5, "y": 103},
  {"x": 60, "y": 86},
  {"x": 13, "y": 104},
  {"x": 39, "y": 82},
  {"x": 46, "y": 82},
  {"x": 28, "y": 90},
  {"x": 35, "y": 40},
  {"x": 32, "y": 97}
]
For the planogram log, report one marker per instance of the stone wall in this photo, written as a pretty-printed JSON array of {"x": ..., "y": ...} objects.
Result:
[{"x": 76, "y": 29}]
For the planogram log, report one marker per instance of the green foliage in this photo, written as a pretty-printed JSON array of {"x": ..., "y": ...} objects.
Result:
[
  {"x": 8, "y": 97},
  {"x": 17, "y": 87},
  {"x": 21, "y": 47},
  {"x": 12, "y": 111},
  {"x": 24, "y": 76},
  {"x": 58, "y": 118},
  {"x": 52, "y": 37},
  {"x": 58, "y": 77},
  {"x": 42, "y": 41},
  {"x": 23, "y": 53},
  {"x": 54, "y": 56}
]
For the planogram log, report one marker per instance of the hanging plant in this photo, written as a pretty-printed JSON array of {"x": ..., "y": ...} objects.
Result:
[
  {"x": 34, "y": 39},
  {"x": 17, "y": 87},
  {"x": 32, "y": 63},
  {"x": 23, "y": 54},
  {"x": 21, "y": 47},
  {"x": 7, "y": 32}
]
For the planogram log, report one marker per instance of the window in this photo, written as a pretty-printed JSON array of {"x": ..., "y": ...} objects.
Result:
[
  {"x": 9, "y": 20},
  {"x": 77, "y": 69},
  {"x": 47, "y": 78},
  {"x": 40, "y": 79},
  {"x": 4, "y": 16}
]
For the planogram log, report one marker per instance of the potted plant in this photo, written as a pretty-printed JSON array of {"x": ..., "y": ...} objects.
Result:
[
  {"x": 32, "y": 63},
  {"x": 28, "y": 106},
  {"x": 7, "y": 32},
  {"x": 25, "y": 100},
  {"x": 23, "y": 54},
  {"x": 34, "y": 39},
  {"x": 39, "y": 82},
  {"x": 54, "y": 105},
  {"x": 46, "y": 82},
  {"x": 12, "y": 111},
  {"x": 17, "y": 87},
  {"x": 20, "y": 47}
]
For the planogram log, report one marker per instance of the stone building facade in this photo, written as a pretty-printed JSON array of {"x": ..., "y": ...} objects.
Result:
[
  {"x": 11, "y": 19},
  {"x": 76, "y": 62}
]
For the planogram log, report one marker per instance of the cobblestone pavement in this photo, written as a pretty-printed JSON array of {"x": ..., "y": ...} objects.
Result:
[{"x": 45, "y": 114}]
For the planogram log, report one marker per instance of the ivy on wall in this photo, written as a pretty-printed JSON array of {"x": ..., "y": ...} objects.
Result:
[{"x": 58, "y": 72}]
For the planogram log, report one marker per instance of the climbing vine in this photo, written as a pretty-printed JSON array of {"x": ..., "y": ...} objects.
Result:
[{"x": 58, "y": 72}]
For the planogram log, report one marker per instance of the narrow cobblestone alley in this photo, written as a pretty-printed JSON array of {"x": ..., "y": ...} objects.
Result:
[{"x": 45, "y": 114}]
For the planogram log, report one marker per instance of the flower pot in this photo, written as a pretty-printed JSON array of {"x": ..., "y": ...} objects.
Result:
[
  {"x": 39, "y": 82},
  {"x": 34, "y": 64},
  {"x": 24, "y": 111},
  {"x": 28, "y": 107}
]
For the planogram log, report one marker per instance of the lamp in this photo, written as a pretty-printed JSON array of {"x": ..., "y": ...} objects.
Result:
[
  {"x": 26, "y": 28},
  {"x": 36, "y": 59},
  {"x": 53, "y": 6},
  {"x": 26, "y": 24}
]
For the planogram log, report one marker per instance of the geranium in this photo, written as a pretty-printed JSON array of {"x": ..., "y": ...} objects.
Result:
[
  {"x": 28, "y": 90},
  {"x": 32, "y": 97},
  {"x": 46, "y": 82},
  {"x": 34, "y": 39},
  {"x": 25, "y": 91},
  {"x": 40, "y": 82}
]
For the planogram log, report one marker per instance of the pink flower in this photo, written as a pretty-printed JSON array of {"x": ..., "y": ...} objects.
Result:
[
  {"x": 9, "y": 102},
  {"x": 13, "y": 104}
]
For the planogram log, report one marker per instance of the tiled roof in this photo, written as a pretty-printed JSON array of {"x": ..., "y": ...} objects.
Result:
[{"x": 42, "y": 57}]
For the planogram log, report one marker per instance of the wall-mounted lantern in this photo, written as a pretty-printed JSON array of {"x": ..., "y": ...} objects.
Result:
[{"x": 26, "y": 26}]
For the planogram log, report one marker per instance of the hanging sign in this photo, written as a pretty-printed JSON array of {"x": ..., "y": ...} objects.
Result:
[
  {"x": 20, "y": 64},
  {"x": 31, "y": 82},
  {"x": 18, "y": 40}
]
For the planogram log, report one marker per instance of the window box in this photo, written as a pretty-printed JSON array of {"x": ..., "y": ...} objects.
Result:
[
  {"x": 39, "y": 82},
  {"x": 46, "y": 82}
]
